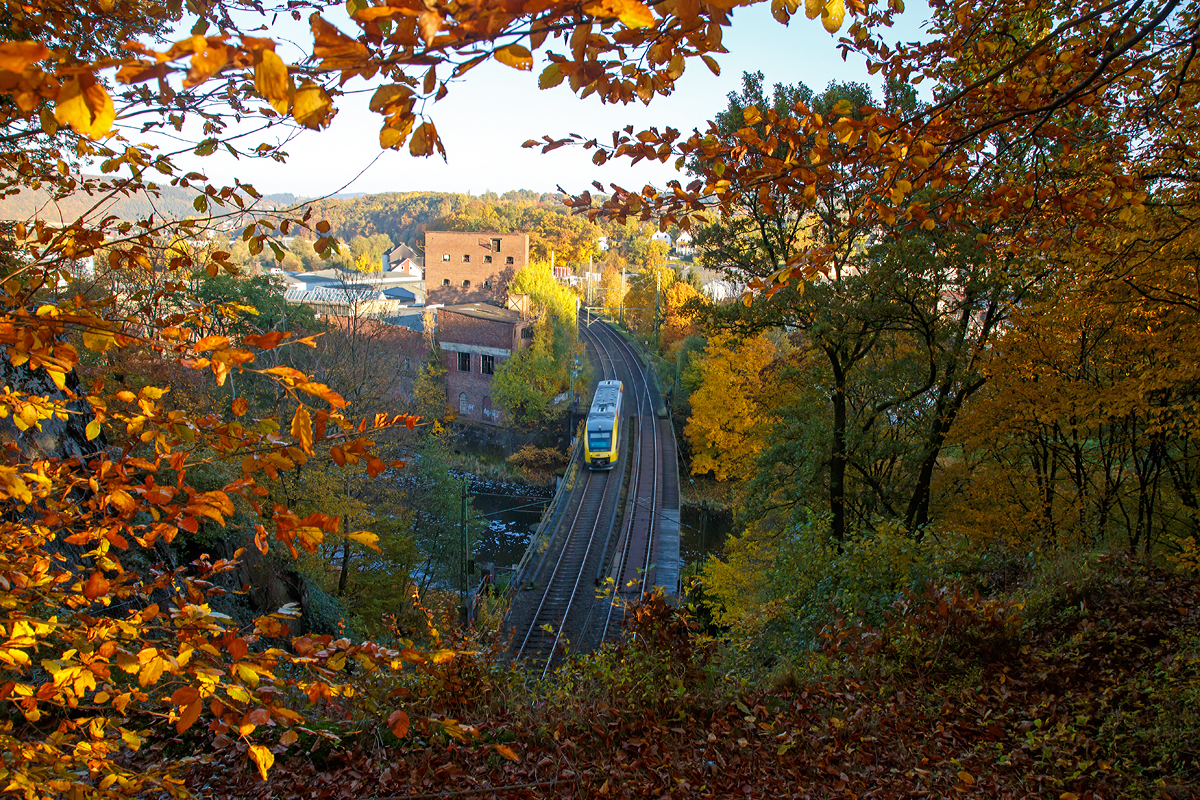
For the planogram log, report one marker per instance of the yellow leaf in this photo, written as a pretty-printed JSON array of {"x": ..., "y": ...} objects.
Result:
[
  {"x": 271, "y": 80},
  {"x": 515, "y": 56},
  {"x": 263, "y": 759},
  {"x": 98, "y": 340},
  {"x": 365, "y": 538},
  {"x": 152, "y": 671},
  {"x": 312, "y": 108},
  {"x": 92, "y": 430},
  {"x": 85, "y": 106},
  {"x": 966, "y": 778},
  {"x": 302, "y": 430},
  {"x": 635, "y": 14},
  {"x": 813, "y": 8},
  {"x": 832, "y": 16},
  {"x": 507, "y": 752}
]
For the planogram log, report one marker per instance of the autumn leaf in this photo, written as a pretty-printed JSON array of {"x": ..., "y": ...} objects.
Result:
[
  {"x": 92, "y": 430},
  {"x": 15, "y": 56},
  {"x": 398, "y": 723},
  {"x": 312, "y": 108},
  {"x": 240, "y": 406},
  {"x": 302, "y": 430},
  {"x": 190, "y": 714},
  {"x": 833, "y": 14},
  {"x": 263, "y": 758},
  {"x": 423, "y": 139},
  {"x": 507, "y": 752},
  {"x": 96, "y": 586},
  {"x": 365, "y": 538},
  {"x": 271, "y": 80},
  {"x": 210, "y": 343},
  {"x": 515, "y": 56},
  {"x": 429, "y": 23},
  {"x": 85, "y": 106}
]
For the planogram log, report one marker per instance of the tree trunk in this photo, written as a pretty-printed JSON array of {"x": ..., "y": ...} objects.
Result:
[{"x": 837, "y": 456}]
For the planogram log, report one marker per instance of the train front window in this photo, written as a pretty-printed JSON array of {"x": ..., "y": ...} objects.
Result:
[{"x": 600, "y": 441}]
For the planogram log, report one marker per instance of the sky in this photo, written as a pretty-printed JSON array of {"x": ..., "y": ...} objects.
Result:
[{"x": 494, "y": 108}]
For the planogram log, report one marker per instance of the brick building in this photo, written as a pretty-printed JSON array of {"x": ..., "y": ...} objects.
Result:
[
  {"x": 472, "y": 267},
  {"x": 476, "y": 338}
]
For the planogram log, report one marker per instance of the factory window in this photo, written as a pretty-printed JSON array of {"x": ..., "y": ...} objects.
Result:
[
  {"x": 462, "y": 403},
  {"x": 445, "y": 257},
  {"x": 464, "y": 362},
  {"x": 445, "y": 281},
  {"x": 487, "y": 284},
  {"x": 466, "y": 284},
  {"x": 466, "y": 259},
  {"x": 496, "y": 245},
  {"x": 526, "y": 333},
  {"x": 487, "y": 259},
  {"x": 487, "y": 365},
  {"x": 508, "y": 260}
]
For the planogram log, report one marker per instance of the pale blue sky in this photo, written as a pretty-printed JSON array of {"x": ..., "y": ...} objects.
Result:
[{"x": 489, "y": 113}]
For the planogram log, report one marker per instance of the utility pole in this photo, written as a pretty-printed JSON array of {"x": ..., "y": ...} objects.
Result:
[
  {"x": 622, "y": 294},
  {"x": 657, "y": 309},
  {"x": 462, "y": 567}
]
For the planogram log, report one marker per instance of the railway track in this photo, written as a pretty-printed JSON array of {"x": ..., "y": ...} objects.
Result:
[{"x": 583, "y": 553}]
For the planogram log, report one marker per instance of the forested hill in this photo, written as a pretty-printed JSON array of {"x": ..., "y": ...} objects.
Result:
[
  {"x": 405, "y": 216},
  {"x": 168, "y": 202}
]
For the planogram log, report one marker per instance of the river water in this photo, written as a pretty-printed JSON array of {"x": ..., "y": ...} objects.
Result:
[{"x": 513, "y": 511}]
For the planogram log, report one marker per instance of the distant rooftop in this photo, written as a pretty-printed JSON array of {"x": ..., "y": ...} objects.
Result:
[{"x": 485, "y": 311}]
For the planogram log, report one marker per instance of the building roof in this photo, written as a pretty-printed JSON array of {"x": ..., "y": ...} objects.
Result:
[
  {"x": 402, "y": 251},
  {"x": 411, "y": 318},
  {"x": 485, "y": 311}
]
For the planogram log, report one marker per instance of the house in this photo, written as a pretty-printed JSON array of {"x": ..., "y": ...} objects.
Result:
[
  {"x": 475, "y": 338},
  {"x": 403, "y": 260},
  {"x": 662, "y": 236},
  {"x": 463, "y": 268},
  {"x": 683, "y": 245}
]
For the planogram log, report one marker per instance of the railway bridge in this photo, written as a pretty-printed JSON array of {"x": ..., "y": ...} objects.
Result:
[{"x": 610, "y": 535}]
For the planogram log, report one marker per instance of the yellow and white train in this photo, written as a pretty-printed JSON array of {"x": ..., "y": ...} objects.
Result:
[{"x": 601, "y": 442}]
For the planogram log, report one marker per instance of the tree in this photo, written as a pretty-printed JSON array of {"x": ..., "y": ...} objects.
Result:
[{"x": 728, "y": 429}]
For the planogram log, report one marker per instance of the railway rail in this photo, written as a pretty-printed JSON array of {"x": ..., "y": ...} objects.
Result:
[{"x": 583, "y": 552}]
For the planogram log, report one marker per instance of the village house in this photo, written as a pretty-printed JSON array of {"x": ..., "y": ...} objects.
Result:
[{"x": 475, "y": 339}]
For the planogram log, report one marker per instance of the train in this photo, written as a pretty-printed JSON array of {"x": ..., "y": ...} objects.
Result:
[{"x": 601, "y": 440}]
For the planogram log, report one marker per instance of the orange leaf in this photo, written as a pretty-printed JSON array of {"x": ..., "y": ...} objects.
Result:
[
  {"x": 15, "y": 56},
  {"x": 184, "y": 696},
  {"x": 302, "y": 430},
  {"x": 189, "y": 716},
  {"x": 398, "y": 723},
  {"x": 210, "y": 343},
  {"x": 240, "y": 406},
  {"x": 96, "y": 586},
  {"x": 259, "y": 716},
  {"x": 507, "y": 752}
]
